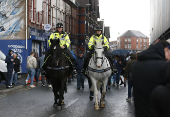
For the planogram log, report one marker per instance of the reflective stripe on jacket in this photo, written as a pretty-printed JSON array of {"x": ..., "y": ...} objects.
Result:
[
  {"x": 98, "y": 39},
  {"x": 64, "y": 39}
]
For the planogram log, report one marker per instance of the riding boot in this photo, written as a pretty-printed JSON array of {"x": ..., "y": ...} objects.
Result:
[
  {"x": 86, "y": 62},
  {"x": 71, "y": 60},
  {"x": 111, "y": 63},
  {"x": 73, "y": 67}
]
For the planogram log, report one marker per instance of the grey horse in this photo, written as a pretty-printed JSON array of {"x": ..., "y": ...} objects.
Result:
[{"x": 99, "y": 70}]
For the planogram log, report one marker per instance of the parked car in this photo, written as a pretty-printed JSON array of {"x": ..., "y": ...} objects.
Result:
[{"x": 3, "y": 66}]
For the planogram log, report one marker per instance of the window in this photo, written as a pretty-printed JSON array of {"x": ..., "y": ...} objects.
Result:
[
  {"x": 145, "y": 40},
  {"x": 32, "y": 13},
  {"x": 145, "y": 46},
  {"x": 37, "y": 17},
  {"x": 136, "y": 46},
  {"x": 129, "y": 46},
  {"x": 137, "y": 40},
  {"x": 35, "y": 47},
  {"x": 129, "y": 39},
  {"x": 125, "y": 39},
  {"x": 125, "y": 45},
  {"x": 46, "y": 13},
  {"x": 51, "y": 17},
  {"x": 141, "y": 40}
]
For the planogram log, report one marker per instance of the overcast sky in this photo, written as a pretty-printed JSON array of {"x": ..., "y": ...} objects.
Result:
[{"x": 123, "y": 15}]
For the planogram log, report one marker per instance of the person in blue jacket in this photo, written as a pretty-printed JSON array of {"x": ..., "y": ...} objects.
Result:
[
  {"x": 79, "y": 66},
  {"x": 118, "y": 65},
  {"x": 10, "y": 66}
]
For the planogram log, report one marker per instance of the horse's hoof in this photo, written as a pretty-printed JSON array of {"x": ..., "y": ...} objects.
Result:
[
  {"x": 96, "y": 108},
  {"x": 55, "y": 106},
  {"x": 59, "y": 107},
  {"x": 102, "y": 105},
  {"x": 62, "y": 103}
]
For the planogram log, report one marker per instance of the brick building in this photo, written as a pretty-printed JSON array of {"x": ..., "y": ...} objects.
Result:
[
  {"x": 88, "y": 12},
  {"x": 112, "y": 45},
  {"x": 133, "y": 40}
]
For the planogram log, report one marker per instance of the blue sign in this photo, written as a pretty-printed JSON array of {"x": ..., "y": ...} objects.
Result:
[
  {"x": 18, "y": 46},
  {"x": 47, "y": 27}
]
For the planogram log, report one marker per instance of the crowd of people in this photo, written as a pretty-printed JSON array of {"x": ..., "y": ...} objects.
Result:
[{"x": 147, "y": 72}]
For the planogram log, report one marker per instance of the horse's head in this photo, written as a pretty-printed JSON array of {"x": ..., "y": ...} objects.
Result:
[
  {"x": 99, "y": 53},
  {"x": 56, "y": 49}
]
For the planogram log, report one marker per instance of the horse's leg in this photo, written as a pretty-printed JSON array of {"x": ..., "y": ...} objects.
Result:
[
  {"x": 56, "y": 96},
  {"x": 61, "y": 91},
  {"x": 94, "y": 82},
  {"x": 102, "y": 100}
]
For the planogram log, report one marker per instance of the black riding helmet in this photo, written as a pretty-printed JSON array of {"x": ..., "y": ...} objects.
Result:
[
  {"x": 59, "y": 25},
  {"x": 98, "y": 29}
]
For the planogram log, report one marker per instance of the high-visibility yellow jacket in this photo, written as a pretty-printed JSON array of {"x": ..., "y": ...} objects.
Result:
[
  {"x": 64, "y": 39},
  {"x": 98, "y": 39}
]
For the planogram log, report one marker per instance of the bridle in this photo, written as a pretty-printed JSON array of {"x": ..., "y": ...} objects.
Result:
[
  {"x": 58, "y": 58},
  {"x": 94, "y": 57}
]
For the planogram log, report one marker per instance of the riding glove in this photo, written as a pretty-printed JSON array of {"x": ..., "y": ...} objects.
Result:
[{"x": 105, "y": 48}]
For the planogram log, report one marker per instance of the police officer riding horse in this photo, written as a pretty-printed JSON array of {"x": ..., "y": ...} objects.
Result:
[
  {"x": 98, "y": 37},
  {"x": 64, "y": 44}
]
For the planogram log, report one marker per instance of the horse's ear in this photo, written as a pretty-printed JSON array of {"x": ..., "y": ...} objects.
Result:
[
  {"x": 51, "y": 40},
  {"x": 95, "y": 43},
  {"x": 102, "y": 42}
]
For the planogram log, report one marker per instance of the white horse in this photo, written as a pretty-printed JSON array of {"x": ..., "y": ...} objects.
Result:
[{"x": 99, "y": 70}]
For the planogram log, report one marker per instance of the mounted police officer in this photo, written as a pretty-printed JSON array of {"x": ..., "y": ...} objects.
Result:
[
  {"x": 64, "y": 44},
  {"x": 98, "y": 37}
]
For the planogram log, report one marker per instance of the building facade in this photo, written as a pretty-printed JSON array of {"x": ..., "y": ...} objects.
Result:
[
  {"x": 22, "y": 27},
  {"x": 133, "y": 41},
  {"x": 87, "y": 14},
  {"x": 112, "y": 45},
  {"x": 160, "y": 20}
]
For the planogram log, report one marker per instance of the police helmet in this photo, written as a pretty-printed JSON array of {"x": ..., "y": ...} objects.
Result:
[
  {"x": 98, "y": 29},
  {"x": 59, "y": 25}
]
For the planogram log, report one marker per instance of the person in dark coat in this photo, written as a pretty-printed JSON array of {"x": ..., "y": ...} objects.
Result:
[
  {"x": 10, "y": 66},
  {"x": 147, "y": 73},
  {"x": 16, "y": 69},
  {"x": 118, "y": 67},
  {"x": 127, "y": 74},
  {"x": 160, "y": 99},
  {"x": 79, "y": 66}
]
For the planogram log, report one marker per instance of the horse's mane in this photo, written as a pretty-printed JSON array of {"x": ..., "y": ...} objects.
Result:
[
  {"x": 57, "y": 54},
  {"x": 99, "y": 44}
]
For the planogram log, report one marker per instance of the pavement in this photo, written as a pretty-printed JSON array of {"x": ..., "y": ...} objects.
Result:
[
  {"x": 20, "y": 83},
  {"x": 38, "y": 102}
]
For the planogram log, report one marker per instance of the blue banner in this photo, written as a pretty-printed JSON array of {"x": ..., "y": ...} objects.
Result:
[{"x": 18, "y": 46}]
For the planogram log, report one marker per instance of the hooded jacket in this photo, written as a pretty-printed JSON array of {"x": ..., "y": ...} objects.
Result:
[
  {"x": 79, "y": 64},
  {"x": 148, "y": 72},
  {"x": 8, "y": 60},
  {"x": 129, "y": 64}
]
